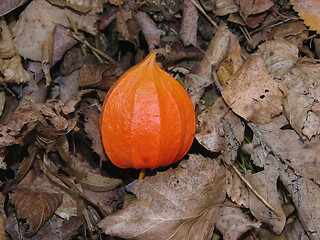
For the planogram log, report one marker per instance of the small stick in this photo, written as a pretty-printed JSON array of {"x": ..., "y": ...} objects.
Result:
[
  {"x": 256, "y": 193},
  {"x": 204, "y": 13},
  {"x": 142, "y": 174}
]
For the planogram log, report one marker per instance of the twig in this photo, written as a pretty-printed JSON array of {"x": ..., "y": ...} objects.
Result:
[
  {"x": 256, "y": 193},
  {"x": 204, "y": 13},
  {"x": 93, "y": 48}
]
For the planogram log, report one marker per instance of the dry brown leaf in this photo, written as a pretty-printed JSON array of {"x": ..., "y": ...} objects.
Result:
[
  {"x": 22, "y": 121},
  {"x": 92, "y": 128},
  {"x": 26, "y": 164},
  {"x": 308, "y": 10},
  {"x": 252, "y": 93},
  {"x": 231, "y": 63},
  {"x": 232, "y": 222},
  {"x": 10, "y": 62},
  {"x": 224, "y": 7},
  {"x": 3, "y": 218},
  {"x": 295, "y": 231},
  {"x": 99, "y": 75},
  {"x": 149, "y": 29},
  {"x": 83, "y": 6},
  {"x": 286, "y": 144},
  {"x": 266, "y": 185},
  {"x": 38, "y": 21},
  {"x": 176, "y": 204},
  {"x": 72, "y": 61},
  {"x": 35, "y": 207},
  {"x": 7, "y": 6},
  {"x": 302, "y": 105},
  {"x": 189, "y": 24},
  {"x": 236, "y": 189},
  {"x": 127, "y": 28},
  {"x": 247, "y": 8},
  {"x": 305, "y": 195},
  {"x": 211, "y": 135},
  {"x": 294, "y": 32},
  {"x": 278, "y": 57},
  {"x": 195, "y": 84},
  {"x": 68, "y": 86}
]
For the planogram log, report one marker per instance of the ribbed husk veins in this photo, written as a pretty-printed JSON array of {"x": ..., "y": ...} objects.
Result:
[{"x": 147, "y": 119}]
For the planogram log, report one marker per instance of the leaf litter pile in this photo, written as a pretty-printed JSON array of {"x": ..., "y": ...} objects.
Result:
[{"x": 251, "y": 70}]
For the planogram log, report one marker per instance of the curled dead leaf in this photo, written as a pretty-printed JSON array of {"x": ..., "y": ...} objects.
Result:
[
  {"x": 35, "y": 207},
  {"x": 98, "y": 183}
]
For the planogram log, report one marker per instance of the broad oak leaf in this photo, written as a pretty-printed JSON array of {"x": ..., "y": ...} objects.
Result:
[{"x": 176, "y": 204}]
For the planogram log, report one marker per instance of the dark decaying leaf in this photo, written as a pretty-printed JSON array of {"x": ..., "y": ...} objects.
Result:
[
  {"x": 176, "y": 204},
  {"x": 26, "y": 164},
  {"x": 35, "y": 207}
]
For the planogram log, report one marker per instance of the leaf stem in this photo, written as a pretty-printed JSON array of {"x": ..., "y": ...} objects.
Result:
[{"x": 142, "y": 173}]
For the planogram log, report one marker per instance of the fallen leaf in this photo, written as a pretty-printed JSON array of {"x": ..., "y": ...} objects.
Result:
[
  {"x": 233, "y": 223},
  {"x": 236, "y": 189},
  {"x": 7, "y": 6},
  {"x": 99, "y": 75},
  {"x": 10, "y": 62},
  {"x": 38, "y": 21},
  {"x": 286, "y": 144},
  {"x": 176, "y": 204},
  {"x": 294, "y": 32},
  {"x": 301, "y": 106},
  {"x": 92, "y": 128},
  {"x": 83, "y": 6},
  {"x": 305, "y": 194},
  {"x": 251, "y": 7},
  {"x": 266, "y": 186},
  {"x": 308, "y": 10},
  {"x": 189, "y": 24},
  {"x": 278, "y": 57},
  {"x": 73, "y": 60},
  {"x": 68, "y": 86},
  {"x": 295, "y": 231},
  {"x": 35, "y": 207},
  {"x": 231, "y": 63},
  {"x": 127, "y": 28},
  {"x": 224, "y": 7},
  {"x": 252, "y": 93},
  {"x": 211, "y": 135}
]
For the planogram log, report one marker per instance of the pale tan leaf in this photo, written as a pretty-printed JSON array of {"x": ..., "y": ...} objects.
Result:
[
  {"x": 83, "y": 6},
  {"x": 10, "y": 62},
  {"x": 176, "y": 204},
  {"x": 308, "y": 10},
  {"x": 35, "y": 207},
  {"x": 98, "y": 183},
  {"x": 211, "y": 134},
  {"x": 305, "y": 195},
  {"x": 7, "y": 48},
  {"x": 278, "y": 57},
  {"x": 252, "y": 93},
  {"x": 302, "y": 105},
  {"x": 286, "y": 144}
]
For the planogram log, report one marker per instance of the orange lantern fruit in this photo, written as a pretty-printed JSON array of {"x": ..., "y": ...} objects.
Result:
[{"x": 147, "y": 119}]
